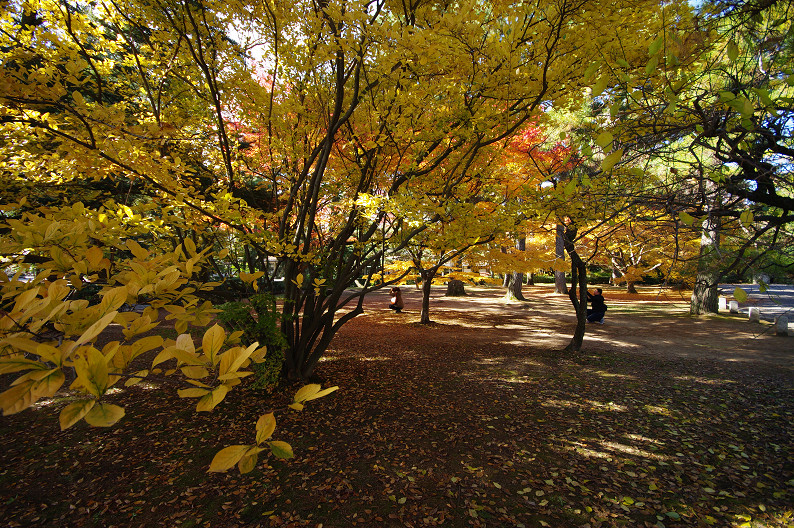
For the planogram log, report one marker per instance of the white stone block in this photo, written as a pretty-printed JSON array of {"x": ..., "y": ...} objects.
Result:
[
  {"x": 781, "y": 325},
  {"x": 722, "y": 304},
  {"x": 755, "y": 315},
  {"x": 734, "y": 306}
]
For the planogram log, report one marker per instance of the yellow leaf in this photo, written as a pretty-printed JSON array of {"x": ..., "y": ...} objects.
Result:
[
  {"x": 306, "y": 391},
  {"x": 72, "y": 413},
  {"x": 96, "y": 328},
  {"x": 138, "y": 377},
  {"x": 195, "y": 372},
  {"x": 611, "y": 160},
  {"x": 281, "y": 449},
  {"x": 686, "y": 218},
  {"x": 49, "y": 353},
  {"x": 22, "y": 344},
  {"x": 604, "y": 139},
  {"x": 265, "y": 427},
  {"x": 322, "y": 393},
  {"x": 209, "y": 401},
  {"x": 185, "y": 342},
  {"x": 247, "y": 463},
  {"x": 227, "y": 457},
  {"x": 296, "y": 406},
  {"x": 113, "y": 299},
  {"x": 195, "y": 392},
  {"x": 137, "y": 250},
  {"x": 17, "y": 363},
  {"x": 17, "y": 398},
  {"x": 212, "y": 342},
  {"x": 104, "y": 415}
]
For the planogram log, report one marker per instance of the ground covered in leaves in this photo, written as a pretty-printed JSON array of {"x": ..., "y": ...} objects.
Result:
[{"x": 475, "y": 420}]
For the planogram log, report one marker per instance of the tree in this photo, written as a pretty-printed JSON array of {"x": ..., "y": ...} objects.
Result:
[{"x": 713, "y": 105}]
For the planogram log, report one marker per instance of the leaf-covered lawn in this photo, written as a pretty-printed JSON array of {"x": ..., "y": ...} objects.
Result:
[{"x": 475, "y": 420}]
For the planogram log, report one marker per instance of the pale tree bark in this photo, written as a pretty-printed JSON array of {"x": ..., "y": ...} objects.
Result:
[
  {"x": 704, "y": 294},
  {"x": 560, "y": 284},
  {"x": 515, "y": 281}
]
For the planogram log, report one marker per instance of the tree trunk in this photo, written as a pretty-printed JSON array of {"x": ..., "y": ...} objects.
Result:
[
  {"x": 455, "y": 288},
  {"x": 578, "y": 278},
  {"x": 531, "y": 279},
  {"x": 704, "y": 294},
  {"x": 427, "y": 279},
  {"x": 516, "y": 281},
  {"x": 631, "y": 287},
  {"x": 560, "y": 284}
]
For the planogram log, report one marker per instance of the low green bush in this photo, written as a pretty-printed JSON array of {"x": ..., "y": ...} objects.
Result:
[{"x": 259, "y": 321}]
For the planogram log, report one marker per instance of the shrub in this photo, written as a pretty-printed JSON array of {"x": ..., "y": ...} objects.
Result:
[{"x": 258, "y": 320}]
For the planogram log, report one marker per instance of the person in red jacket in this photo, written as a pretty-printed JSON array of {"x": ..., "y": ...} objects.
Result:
[{"x": 396, "y": 302}]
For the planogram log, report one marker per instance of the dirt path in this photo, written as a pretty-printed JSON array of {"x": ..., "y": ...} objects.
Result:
[{"x": 477, "y": 420}]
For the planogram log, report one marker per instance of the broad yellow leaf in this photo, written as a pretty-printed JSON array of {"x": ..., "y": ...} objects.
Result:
[
  {"x": 611, "y": 160},
  {"x": 686, "y": 218},
  {"x": 296, "y": 406},
  {"x": 195, "y": 372},
  {"x": 185, "y": 342},
  {"x": 212, "y": 342},
  {"x": 72, "y": 413},
  {"x": 22, "y": 344},
  {"x": 247, "y": 463},
  {"x": 322, "y": 393},
  {"x": 137, "y": 250},
  {"x": 265, "y": 427},
  {"x": 281, "y": 449},
  {"x": 656, "y": 45},
  {"x": 17, "y": 398},
  {"x": 227, "y": 457},
  {"x": 604, "y": 139},
  {"x": 306, "y": 391},
  {"x": 195, "y": 392},
  {"x": 209, "y": 401},
  {"x": 17, "y": 363},
  {"x": 49, "y": 353},
  {"x": 96, "y": 328},
  {"x": 113, "y": 299},
  {"x": 104, "y": 415},
  {"x": 137, "y": 378}
]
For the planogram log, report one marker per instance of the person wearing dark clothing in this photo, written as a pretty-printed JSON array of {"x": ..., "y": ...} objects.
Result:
[
  {"x": 396, "y": 302},
  {"x": 596, "y": 313}
]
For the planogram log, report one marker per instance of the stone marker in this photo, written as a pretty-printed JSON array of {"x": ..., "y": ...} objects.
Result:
[
  {"x": 734, "y": 306},
  {"x": 755, "y": 315},
  {"x": 781, "y": 325},
  {"x": 723, "y": 304}
]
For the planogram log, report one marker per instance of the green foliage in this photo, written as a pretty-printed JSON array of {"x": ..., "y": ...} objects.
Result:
[{"x": 258, "y": 320}]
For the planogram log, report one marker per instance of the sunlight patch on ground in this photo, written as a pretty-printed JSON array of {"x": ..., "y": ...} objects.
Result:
[
  {"x": 609, "y": 406},
  {"x": 640, "y": 438},
  {"x": 611, "y": 450},
  {"x": 586, "y": 404},
  {"x": 632, "y": 450},
  {"x": 605, "y": 374},
  {"x": 375, "y": 358},
  {"x": 705, "y": 381},
  {"x": 656, "y": 409}
]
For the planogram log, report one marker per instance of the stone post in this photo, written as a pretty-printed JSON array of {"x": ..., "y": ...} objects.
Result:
[
  {"x": 722, "y": 304},
  {"x": 734, "y": 306},
  {"x": 781, "y": 325},
  {"x": 755, "y": 315}
]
